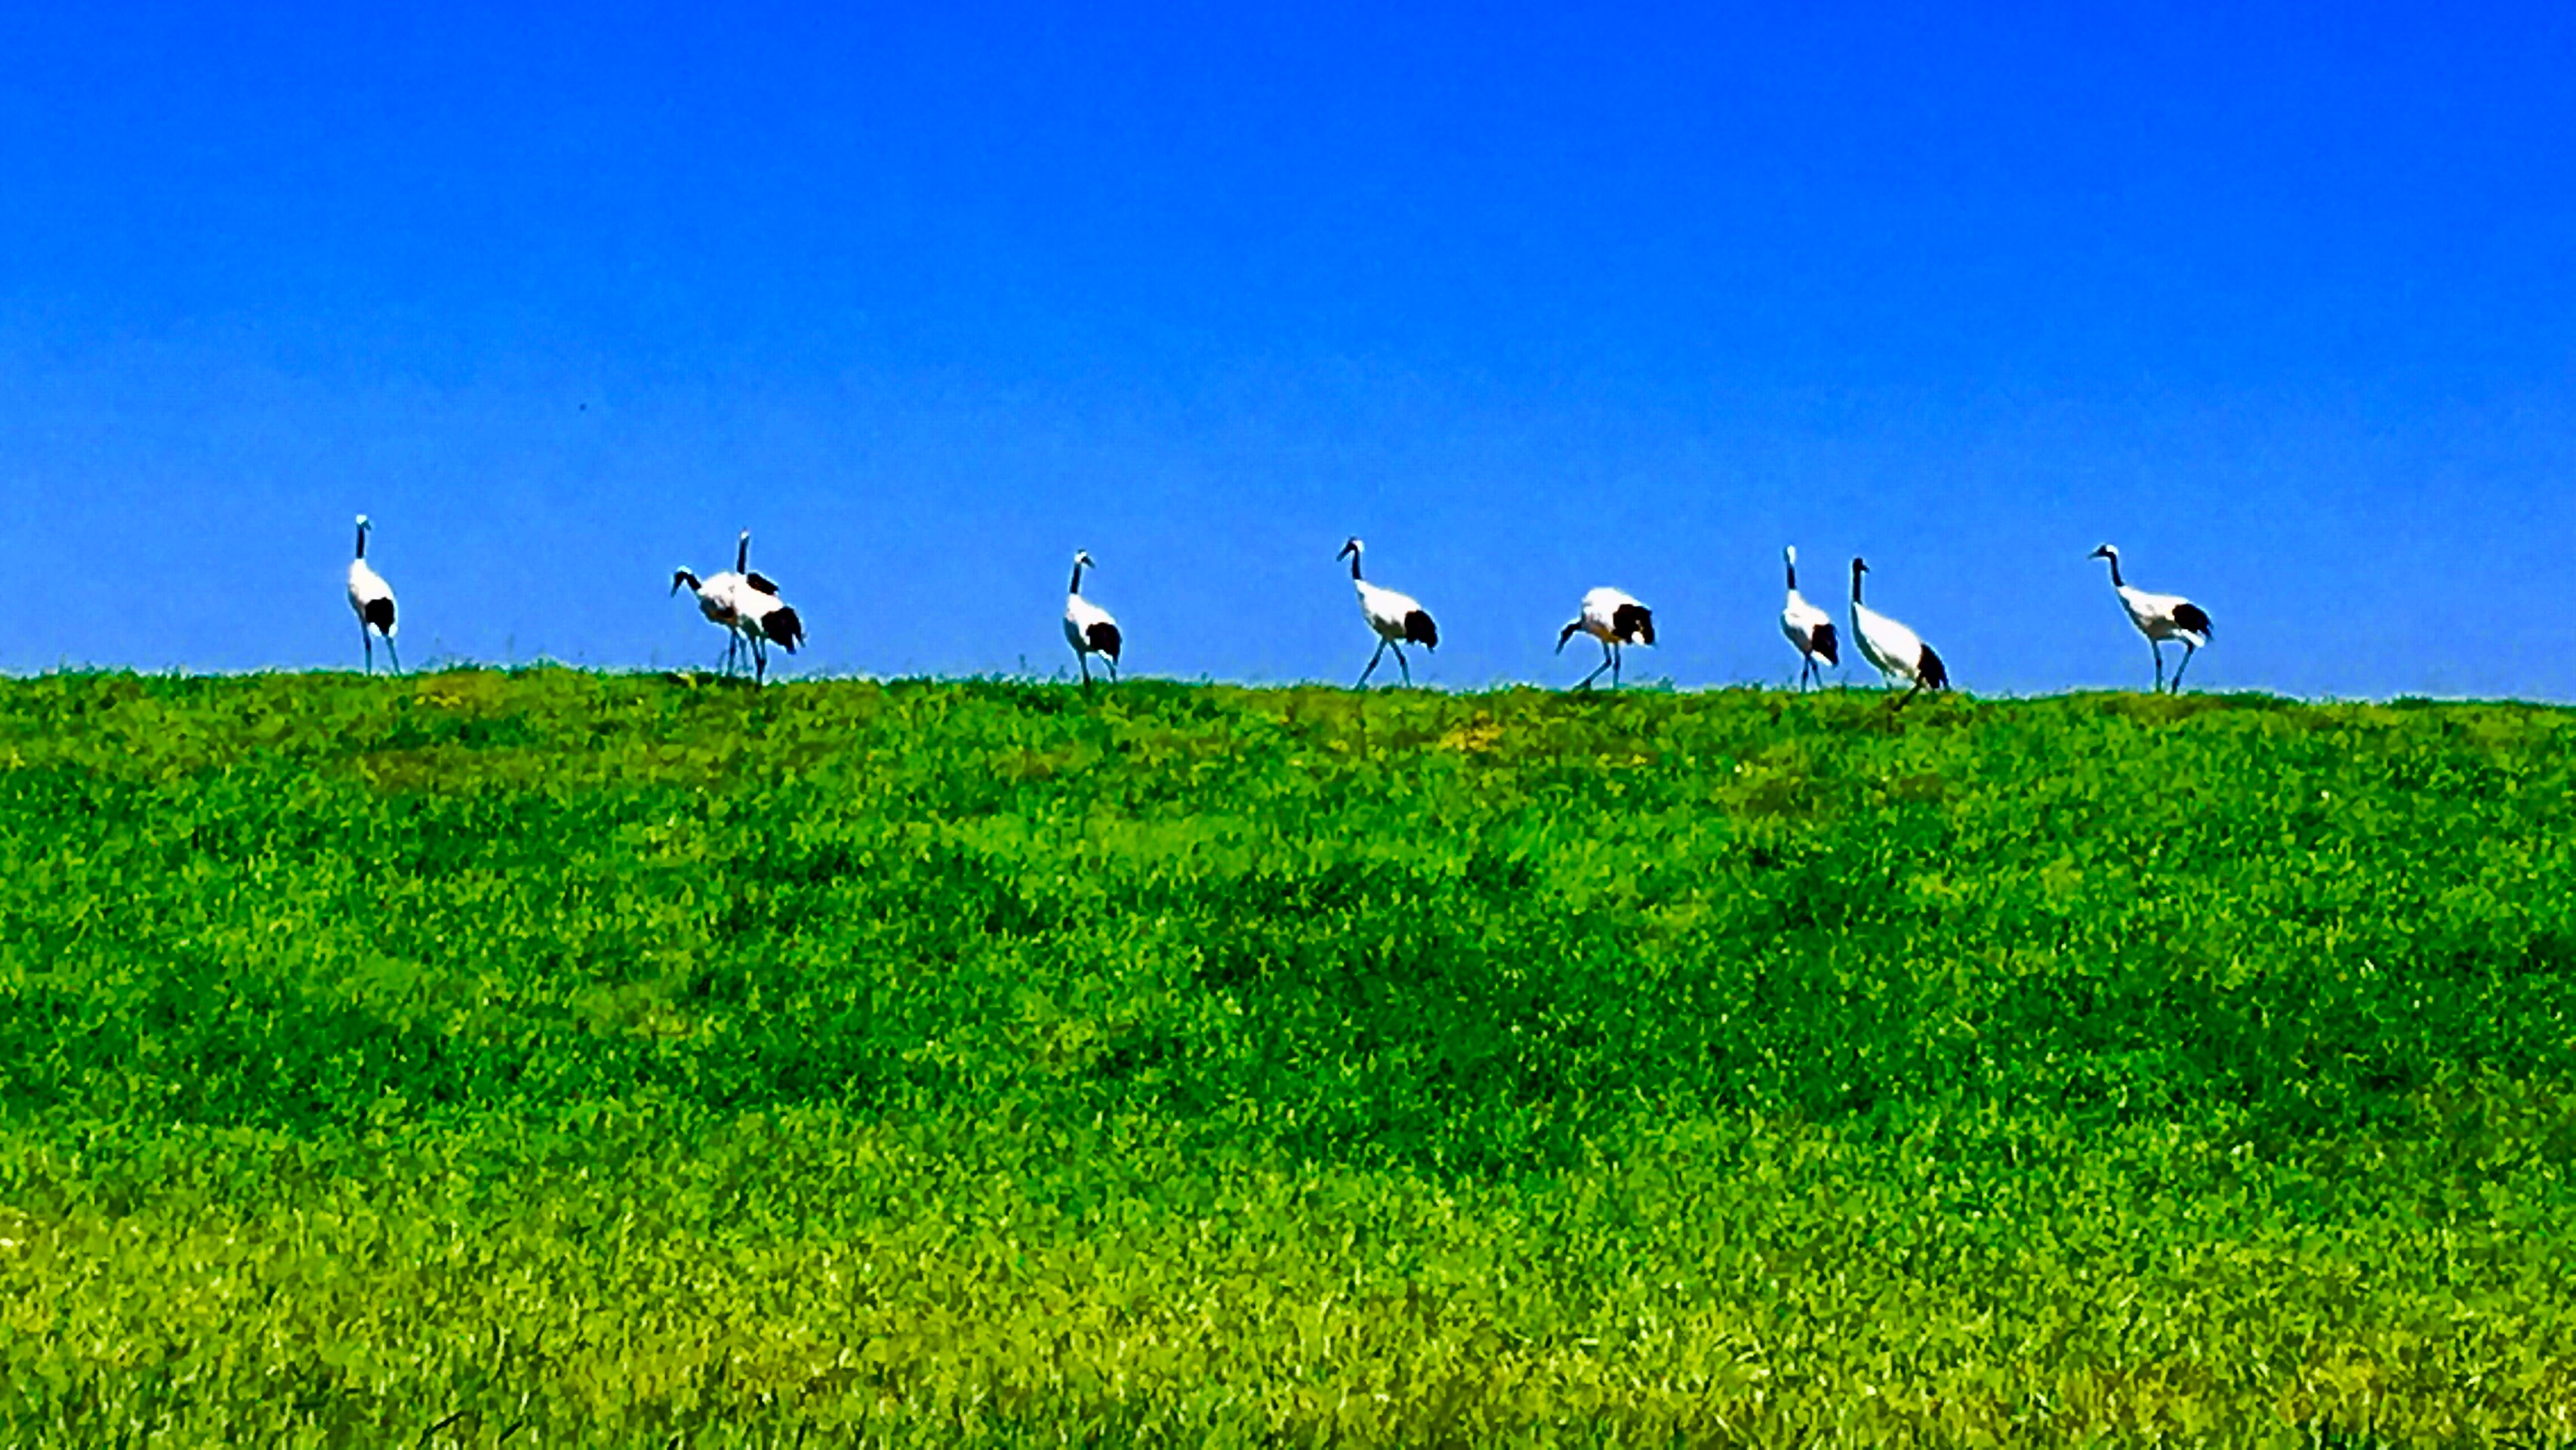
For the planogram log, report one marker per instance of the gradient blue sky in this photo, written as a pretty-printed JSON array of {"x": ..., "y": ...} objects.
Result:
[{"x": 564, "y": 296}]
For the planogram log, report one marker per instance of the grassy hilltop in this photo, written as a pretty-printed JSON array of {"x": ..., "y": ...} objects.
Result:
[{"x": 606, "y": 1059}]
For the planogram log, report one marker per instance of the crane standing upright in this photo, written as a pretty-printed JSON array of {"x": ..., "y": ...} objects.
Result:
[{"x": 372, "y": 600}]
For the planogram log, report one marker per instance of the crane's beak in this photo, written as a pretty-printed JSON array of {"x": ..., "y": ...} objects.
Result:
[{"x": 1565, "y": 634}]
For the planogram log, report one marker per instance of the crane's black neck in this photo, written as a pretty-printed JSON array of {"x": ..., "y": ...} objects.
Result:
[
  {"x": 1793, "y": 572},
  {"x": 362, "y": 541},
  {"x": 1355, "y": 563},
  {"x": 2115, "y": 569},
  {"x": 742, "y": 554},
  {"x": 1076, "y": 586},
  {"x": 1857, "y": 571}
]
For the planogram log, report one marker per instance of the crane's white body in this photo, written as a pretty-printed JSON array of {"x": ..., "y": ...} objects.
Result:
[
  {"x": 1616, "y": 618},
  {"x": 1894, "y": 650},
  {"x": 1396, "y": 619},
  {"x": 1386, "y": 610},
  {"x": 1897, "y": 652},
  {"x": 1809, "y": 629},
  {"x": 2160, "y": 617},
  {"x": 1087, "y": 627},
  {"x": 372, "y": 600}
]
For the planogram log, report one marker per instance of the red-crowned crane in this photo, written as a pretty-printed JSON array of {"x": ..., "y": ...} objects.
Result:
[
  {"x": 763, "y": 617},
  {"x": 2159, "y": 617},
  {"x": 1396, "y": 619},
  {"x": 1087, "y": 626},
  {"x": 722, "y": 597},
  {"x": 1898, "y": 652},
  {"x": 372, "y": 600},
  {"x": 719, "y": 596},
  {"x": 1614, "y": 617},
  {"x": 1808, "y": 628}
]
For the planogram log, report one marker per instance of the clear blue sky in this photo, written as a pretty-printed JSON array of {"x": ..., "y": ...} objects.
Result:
[{"x": 2284, "y": 305}]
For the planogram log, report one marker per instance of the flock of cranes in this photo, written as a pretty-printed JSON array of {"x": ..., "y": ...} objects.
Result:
[{"x": 746, "y": 606}]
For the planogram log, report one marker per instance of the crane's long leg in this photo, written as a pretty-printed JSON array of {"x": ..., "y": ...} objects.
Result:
[
  {"x": 394, "y": 654},
  {"x": 1401, "y": 664},
  {"x": 1112, "y": 662},
  {"x": 1372, "y": 665},
  {"x": 2188, "y": 650},
  {"x": 1083, "y": 660},
  {"x": 367, "y": 642},
  {"x": 1586, "y": 682},
  {"x": 2158, "y": 646},
  {"x": 1614, "y": 664}
]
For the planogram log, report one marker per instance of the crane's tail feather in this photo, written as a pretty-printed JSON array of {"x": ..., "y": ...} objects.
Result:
[
  {"x": 2192, "y": 617},
  {"x": 1104, "y": 639},
  {"x": 379, "y": 615},
  {"x": 1933, "y": 674},
  {"x": 783, "y": 627},
  {"x": 1418, "y": 629},
  {"x": 1633, "y": 623},
  {"x": 1824, "y": 648}
]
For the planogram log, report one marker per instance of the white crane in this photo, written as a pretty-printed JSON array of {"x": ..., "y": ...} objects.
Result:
[
  {"x": 1809, "y": 628},
  {"x": 1898, "y": 652},
  {"x": 763, "y": 617},
  {"x": 1396, "y": 619},
  {"x": 1614, "y": 617},
  {"x": 372, "y": 600},
  {"x": 2159, "y": 617},
  {"x": 1087, "y": 626},
  {"x": 721, "y": 597}
]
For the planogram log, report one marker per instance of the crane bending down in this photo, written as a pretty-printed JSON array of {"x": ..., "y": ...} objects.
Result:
[
  {"x": 1087, "y": 626},
  {"x": 1808, "y": 628},
  {"x": 1898, "y": 652},
  {"x": 1614, "y": 617},
  {"x": 720, "y": 597},
  {"x": 372, "y": 600},
  {"x": 1396, "y": 619},
  {"x": 2159, "y": 617}
]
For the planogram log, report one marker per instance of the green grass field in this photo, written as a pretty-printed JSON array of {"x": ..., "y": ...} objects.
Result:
[{"x": 565, "y": 1059}]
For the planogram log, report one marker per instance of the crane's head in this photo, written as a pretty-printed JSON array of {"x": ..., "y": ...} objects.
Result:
[
  {"x": 1565, "y": 634},
  {"x": 1350, "y": 548},
  {"x": 1083, "y": 558},
  {"x": 2106, "y": 551},
  {"x": 1860, "y": 566},
  {"x": 363, "y": 525},
  {"x": 1790, "y": 555},
  {"x": 682, "y": 576}
]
